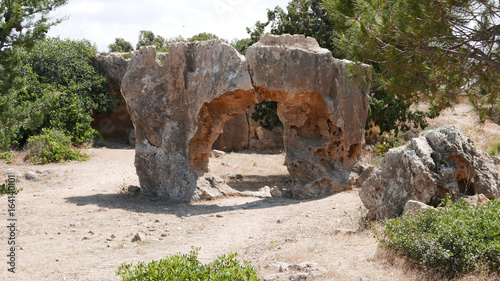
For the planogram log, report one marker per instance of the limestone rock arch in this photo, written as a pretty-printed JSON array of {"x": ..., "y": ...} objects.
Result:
[{"x": 178, "y": 108}]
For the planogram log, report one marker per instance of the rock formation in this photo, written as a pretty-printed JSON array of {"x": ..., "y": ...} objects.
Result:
[
  {"x": 179, "y": 107},
  {"x": 242, "y": 132},
  {"x": 116, "y": 125},
  {"x": 178, "y": 110},
  {"x": 322, "y": 110},
  {"x": 438, "y": 162}
]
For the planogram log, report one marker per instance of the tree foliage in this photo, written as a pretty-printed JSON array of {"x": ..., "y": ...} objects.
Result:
[
  {"x": 242, "y": 45},
  {"x": 426, "y": 50},
  {"x": 204, "y": 36},
  {"x": 148, "y": 38},
  {"x": 22, "y": 24},
  {"x": 120, "y": 46},
  {"x": 65, "y": 68},
  {"x": 24, "y": 21}
]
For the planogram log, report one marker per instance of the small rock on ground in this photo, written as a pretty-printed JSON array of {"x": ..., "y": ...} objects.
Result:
[
  {"x": 138, "y": 237},
  {"x": 31, "y": 175}
]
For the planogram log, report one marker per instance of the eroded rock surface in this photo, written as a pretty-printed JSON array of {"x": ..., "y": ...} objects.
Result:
[
  {"x": 438, "y": 162},
  {"x": 117, "y": 125},
  {"x": 322, "y": 110},
  {"x": 179, "y": 108}
]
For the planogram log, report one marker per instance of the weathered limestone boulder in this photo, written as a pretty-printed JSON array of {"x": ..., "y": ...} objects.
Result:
[
  {"x": 178, "y": 110},
  {"x": 210, "y": 186},
  {"x": 322, "y": 110},
  {"x": 116, "y": 125},
  {"x": 438, "y": 162},
  {"x": 114, "y": 66},
  {"x": 242, "y": 132},
  {"x": 179, "y": 107},
  {"x": 413, "y": 206},
  {"x": 235, "y": 134}
]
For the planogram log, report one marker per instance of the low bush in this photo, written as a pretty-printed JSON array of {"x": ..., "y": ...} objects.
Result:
[
  {"x": 453, "y": 240},
  {"x": 388, "y": 141},
  {"x": 51, "y": 146},
  {"x": 4, "y": 190},
  {"x": 187, "y": 267},
  {"x": 7, "y": 156},
  {"x": 494, "y": 148}
]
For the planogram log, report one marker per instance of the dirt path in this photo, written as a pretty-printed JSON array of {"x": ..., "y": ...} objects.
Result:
[{"x": 75, "y": 222}]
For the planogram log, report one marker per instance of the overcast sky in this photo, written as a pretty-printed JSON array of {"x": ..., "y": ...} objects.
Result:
[{"x": 101, "y": 21}]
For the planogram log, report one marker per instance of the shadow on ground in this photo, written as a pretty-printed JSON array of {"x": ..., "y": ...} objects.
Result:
[
  {"x": 128, "y": 202},
  {"x": 255, "y": 182},
  {"x": 112, "y": 144}
]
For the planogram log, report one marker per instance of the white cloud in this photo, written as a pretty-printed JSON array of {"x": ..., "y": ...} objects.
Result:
[{"x": 101, "y": 21}]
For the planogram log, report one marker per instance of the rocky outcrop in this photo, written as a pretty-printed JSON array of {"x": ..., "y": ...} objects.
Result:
[
  {"x": 322, "y": 110},
  {"x": 179, "y": 107},
  {"x": 242, "y": 132},
  {"x": 234, "y": 136},
  {"x": 438, "y": 162},
  {"x": 413, "y": 206},
  {"x": 117, "y": 125},
  {"x": 178, "y": 110}
]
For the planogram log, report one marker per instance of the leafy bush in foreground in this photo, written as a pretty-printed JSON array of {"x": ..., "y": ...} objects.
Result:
[
  {"x": 455, "y": 239},
  {"x": 187, "y": 267},
  {"x": 51, "y": 146}
]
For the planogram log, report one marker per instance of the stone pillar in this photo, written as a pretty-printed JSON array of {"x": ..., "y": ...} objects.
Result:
[
  {"x": 323, "y": 110},
  {"x": 178, "y": 109}
]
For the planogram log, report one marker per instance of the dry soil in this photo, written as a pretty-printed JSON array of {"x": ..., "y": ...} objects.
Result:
[{"x": 76, "y": 221}]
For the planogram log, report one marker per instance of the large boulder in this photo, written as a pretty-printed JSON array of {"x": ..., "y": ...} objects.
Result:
[
  {"x": 242, "y": 132},
  {"x": 179, "y": 107},
  {"x": 438, "y": 162},
  {"x": 323, "y": 111},
  {"x": 117, "y": 125}
]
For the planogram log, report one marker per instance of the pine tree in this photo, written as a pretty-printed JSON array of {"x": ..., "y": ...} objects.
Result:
[
  {"x": 424, "y": 50},
  {"x": 22, "y": 23}
]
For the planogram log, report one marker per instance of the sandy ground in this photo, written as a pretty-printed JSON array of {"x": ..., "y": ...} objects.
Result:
[{"x": 75, "y": 222}]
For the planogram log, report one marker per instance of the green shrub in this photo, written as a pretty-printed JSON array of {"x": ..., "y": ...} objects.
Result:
[
  {"x": 266, "y": 113},
  {"x": 456, "y": 239},
  {"x": 187, "y": 267},
  {"x": 7, "y": 156},
  {"x": 4, "y": 189},
  {"x": 388, "y": 141},
  {"x": 52, "y": 146},
  {"x": 493, "y": 150}
]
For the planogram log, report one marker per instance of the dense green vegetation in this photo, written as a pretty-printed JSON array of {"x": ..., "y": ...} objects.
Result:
[
  {"x": 64, "y": 68},
  {"x": 22, "y": 24},
  {"x": 421, "y": 50},
  {"x": 188, "y": 267},
  {"x": 494, "y": 148},
  {"x": 51, "y": 146},
  {"x": 455, "y": 239},
  {"x": 120, "y": 46},
  {"x": 148, "y": 38}
]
